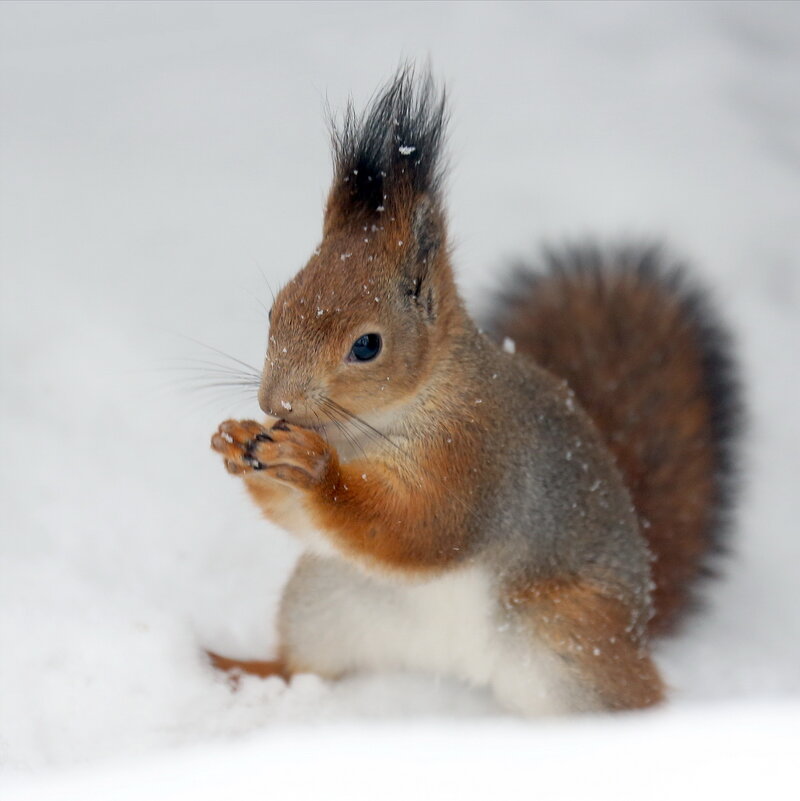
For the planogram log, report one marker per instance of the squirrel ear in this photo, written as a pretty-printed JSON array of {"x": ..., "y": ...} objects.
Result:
[{"x": 427, "y": 230}]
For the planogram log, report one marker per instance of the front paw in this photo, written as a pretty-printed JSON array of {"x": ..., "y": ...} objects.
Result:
[
  {"x": 234, "y": 439},
  {"x": 284, "y": 452}
]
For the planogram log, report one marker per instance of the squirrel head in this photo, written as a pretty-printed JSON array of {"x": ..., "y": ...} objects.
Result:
[{"x": 365, "y": 321}]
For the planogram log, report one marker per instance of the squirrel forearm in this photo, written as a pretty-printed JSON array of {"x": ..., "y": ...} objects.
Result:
[
  {"x": 387, "y": 515},
  {"x": 370, "y": 513}
]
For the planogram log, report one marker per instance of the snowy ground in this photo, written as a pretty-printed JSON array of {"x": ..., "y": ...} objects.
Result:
[{"x": 154, "y": 161}]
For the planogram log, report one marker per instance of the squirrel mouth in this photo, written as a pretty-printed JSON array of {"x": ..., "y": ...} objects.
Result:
[{"x": 297, "y": 420}]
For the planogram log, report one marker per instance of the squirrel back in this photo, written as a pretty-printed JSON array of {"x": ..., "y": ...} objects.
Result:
[{"x": 651, "y": 365}]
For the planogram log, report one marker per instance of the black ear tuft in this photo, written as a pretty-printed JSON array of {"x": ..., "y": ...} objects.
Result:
[{"x": 393, "y": 149}]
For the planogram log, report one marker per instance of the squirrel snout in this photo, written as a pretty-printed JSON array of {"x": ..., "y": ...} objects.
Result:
[{"x": 275, "y": 404}]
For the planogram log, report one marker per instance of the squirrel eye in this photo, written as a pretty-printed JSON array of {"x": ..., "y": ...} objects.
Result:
[{"x": 365, "y": 348}]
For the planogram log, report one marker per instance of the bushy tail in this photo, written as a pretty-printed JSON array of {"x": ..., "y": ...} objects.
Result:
[{"x": 651, "y": 364}]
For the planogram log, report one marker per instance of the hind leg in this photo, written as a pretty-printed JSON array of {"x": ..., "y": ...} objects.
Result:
[{"x": 587, "y": 646}]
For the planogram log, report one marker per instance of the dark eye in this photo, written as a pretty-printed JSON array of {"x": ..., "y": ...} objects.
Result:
[{"x": 365, "y": 348}]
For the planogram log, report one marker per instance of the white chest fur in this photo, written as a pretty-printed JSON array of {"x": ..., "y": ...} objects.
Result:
[
  {"x": 443, "y": 625},
  {"x": 335, "y": 620}
]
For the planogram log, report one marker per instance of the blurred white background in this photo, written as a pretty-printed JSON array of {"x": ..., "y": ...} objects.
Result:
[{"x": 156, "y": 159}]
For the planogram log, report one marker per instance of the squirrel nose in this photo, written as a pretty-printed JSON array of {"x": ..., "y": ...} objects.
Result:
[{"x": 273, "y": 403}]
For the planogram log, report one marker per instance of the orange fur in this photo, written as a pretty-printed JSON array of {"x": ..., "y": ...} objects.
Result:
[
  {"x": 372, "y": 515},
  {"x": 596, "y": 638},
  {"x": 251, "y": 667}
]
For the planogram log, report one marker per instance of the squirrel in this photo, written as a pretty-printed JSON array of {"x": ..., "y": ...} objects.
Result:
[{"x": 521, "y": 521}]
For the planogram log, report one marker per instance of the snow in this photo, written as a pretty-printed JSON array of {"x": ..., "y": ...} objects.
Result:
[
  {"x": 621, "y": 758},
  {"x": 155, "y": 162}
]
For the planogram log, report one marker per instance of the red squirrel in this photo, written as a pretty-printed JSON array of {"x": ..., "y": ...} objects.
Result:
[{"x": 524, "y": 521}]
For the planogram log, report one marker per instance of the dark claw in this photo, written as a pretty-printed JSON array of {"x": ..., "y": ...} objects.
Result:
[
  {"x": 255, "y": 464},
  {"x": 251, "y": 444},
  {"x": 281, "y": 425}
]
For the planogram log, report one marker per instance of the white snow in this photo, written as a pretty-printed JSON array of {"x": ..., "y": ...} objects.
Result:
[{"x": 159, "y": 164}]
